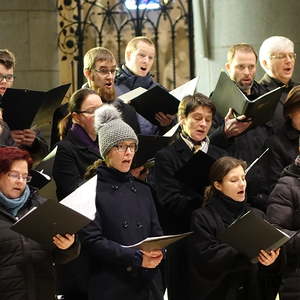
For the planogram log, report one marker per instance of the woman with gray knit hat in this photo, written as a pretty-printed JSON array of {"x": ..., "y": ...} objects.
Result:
[{"x": 125, "y": 215}]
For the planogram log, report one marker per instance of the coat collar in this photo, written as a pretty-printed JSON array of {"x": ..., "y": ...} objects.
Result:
[{"x": 79, "y": 144}]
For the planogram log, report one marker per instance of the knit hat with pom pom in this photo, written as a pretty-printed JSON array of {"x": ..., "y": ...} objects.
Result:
[{"x": 111, "y": 129}]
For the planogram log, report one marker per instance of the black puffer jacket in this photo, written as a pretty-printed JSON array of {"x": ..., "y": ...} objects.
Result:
[
  {"x": 26, "y": 268},
  {"x": 283, "y": 150},
  {"x": 284, "y": 211}
]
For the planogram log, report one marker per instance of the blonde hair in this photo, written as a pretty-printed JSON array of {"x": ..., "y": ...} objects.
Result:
[
  {"x": 133, "y": 43},
  {"x": 7, "y": 58},
  {"x": 97, "y": 54}
]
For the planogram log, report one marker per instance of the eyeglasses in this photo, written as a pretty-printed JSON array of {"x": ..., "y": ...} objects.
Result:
[
  {"x": 90, "y": 111},
  {"x": 124, "y": 147},
  {"x": 7, "y": 77},
  {"x": 16, "y": 175},
  {"x": 282, "y": 56},
  {"x": 105, "y": 72}
]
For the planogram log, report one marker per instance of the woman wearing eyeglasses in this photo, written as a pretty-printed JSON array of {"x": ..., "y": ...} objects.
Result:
[
  {"x": 26, "y": 267},
  {"x": 79, "y": 148},
  {"x": 125, "y": 215}
]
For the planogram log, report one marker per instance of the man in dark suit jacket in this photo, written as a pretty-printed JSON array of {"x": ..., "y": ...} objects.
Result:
[{"x": 277, "y": 58}]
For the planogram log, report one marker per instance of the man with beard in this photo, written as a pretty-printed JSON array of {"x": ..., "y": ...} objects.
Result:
[
  {"x": 241, "y": 68},
  {"x": 242, "y": 139},
  {"x": 139, "y": 58},
  {"x": 100, "y": 70},
  {"x": 277, "y": 58}
]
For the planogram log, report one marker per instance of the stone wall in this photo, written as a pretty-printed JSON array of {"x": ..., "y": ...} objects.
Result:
[{"x": 29, "y": 29}]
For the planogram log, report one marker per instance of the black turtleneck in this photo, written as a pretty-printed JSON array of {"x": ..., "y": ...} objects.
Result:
[{"x": 228, "y": 208}]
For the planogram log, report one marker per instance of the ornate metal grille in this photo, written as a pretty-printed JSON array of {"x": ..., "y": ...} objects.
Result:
[{"x": 89, "y": 23}]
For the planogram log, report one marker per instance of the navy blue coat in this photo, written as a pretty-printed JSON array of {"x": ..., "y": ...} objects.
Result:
[{"x": 125, "y": 215}]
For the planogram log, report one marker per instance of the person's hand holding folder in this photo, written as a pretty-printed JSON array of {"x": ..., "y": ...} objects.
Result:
[
  {"x": 151, "y": 259},
  {"x": 64, "y": 242},
  {"x": 234, "y": 126},
  {"x": 164, "y": 119},
  {"x": 266, "y": 258},
  {"x": 23, "y": 137}
]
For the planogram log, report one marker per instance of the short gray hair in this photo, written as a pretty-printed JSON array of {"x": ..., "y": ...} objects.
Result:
[{"x": 271, "y": 45}]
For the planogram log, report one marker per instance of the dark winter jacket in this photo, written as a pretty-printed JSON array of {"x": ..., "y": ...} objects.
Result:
[
  {"x": 283, "y": 149},
  {"x": 127, "y": 81},
  {"x": 176, "y": 199},
  {"x": 247, "y": 146},
  {"x": 26, "y": 267},
  {"x": 269, "y": 84},
  {"x": 217, "y": 270},
  {"x": 284, "y": 211},
  {"x": 71, "y": 160},
  {"x": 125, "y": 215}
]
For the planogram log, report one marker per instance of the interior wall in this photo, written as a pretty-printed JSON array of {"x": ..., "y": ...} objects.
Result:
[
  {"x": 29, "y": 30},
  {"x": 222, "y": 23}
]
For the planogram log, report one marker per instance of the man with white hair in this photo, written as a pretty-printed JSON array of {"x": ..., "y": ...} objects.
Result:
[{"x": 277, "y": 58}]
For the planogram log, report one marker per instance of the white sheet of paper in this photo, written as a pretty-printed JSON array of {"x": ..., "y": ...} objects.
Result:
[
  {"x": 83, "y": 198},
  {"x": 172, "y": 130},
  {"x": 127, "y": 97},
  {"x": 185, "y": 89}
]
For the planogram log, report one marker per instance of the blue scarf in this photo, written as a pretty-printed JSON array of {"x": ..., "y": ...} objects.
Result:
[{"x": 14, "y": 205}]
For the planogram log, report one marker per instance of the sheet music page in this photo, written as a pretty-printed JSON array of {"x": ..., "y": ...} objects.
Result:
[
  {"x": 82, "y": 199},
  {"x": 127, "y": 97},
  {"x": 185, "y": 89}
]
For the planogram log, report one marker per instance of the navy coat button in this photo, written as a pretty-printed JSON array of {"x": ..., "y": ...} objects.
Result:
[
  {"x": 129, "y": 269},
  {"x": 139, "y": 225},
  {"x": 133, "y": 189},
  {"x": 114, "y": 187},
  {"x": 125, "y": 224}
]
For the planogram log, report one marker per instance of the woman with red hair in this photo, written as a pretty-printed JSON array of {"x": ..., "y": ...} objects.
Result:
[{"x": 26, "y": 267}]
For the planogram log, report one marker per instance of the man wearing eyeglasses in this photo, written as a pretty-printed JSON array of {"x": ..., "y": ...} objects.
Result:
[
  {"x": 277, "y": 58},
  {"x": 26, "y": 138},
  {"x": 100, "y": 70}
]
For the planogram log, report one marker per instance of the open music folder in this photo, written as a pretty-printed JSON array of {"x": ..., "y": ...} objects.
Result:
[
  {"x": 24, "y": 108},
  {"x": 250, "y": 233},
  {"x": 195, "y": 172},
  {"x": 228, "y": 95},
  {"x": 43, "y": 222},
  {"x": 157, "y": 99},
  {"x": 158, "y": 242},
  {"x": 149, "y": 145}
]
